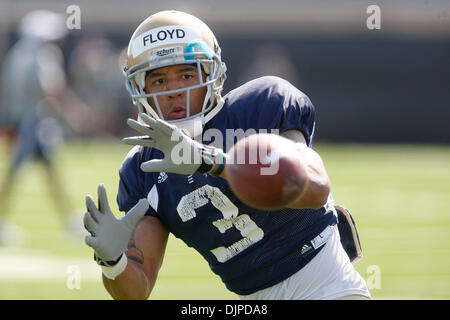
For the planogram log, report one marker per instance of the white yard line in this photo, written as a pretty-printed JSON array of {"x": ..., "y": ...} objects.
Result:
[{"x": 30, "y": 265}]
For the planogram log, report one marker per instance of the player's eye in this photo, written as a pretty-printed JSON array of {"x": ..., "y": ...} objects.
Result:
[
  {"x": 187, "y": 76},
  {"x": 158, "y": 81}
]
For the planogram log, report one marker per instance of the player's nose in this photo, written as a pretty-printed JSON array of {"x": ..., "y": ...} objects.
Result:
[{"x": 175, "y": 85}]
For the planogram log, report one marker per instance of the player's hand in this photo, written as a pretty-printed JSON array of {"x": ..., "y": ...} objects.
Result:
[
  {"x": 182, "y": 155},
  {"x": 109, "y": 235}
]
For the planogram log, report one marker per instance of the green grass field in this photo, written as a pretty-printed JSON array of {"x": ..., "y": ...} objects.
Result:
[{"x": 399, "y": 196}]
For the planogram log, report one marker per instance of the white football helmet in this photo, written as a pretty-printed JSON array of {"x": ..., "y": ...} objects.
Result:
[{"x": 169, "y": 38}]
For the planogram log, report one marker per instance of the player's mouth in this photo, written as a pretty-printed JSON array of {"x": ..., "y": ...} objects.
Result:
[{"x": 177, "y": 113}]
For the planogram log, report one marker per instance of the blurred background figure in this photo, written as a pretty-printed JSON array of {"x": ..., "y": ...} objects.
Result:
[
  {"x": 95, "y": 74},
  {"x": 35, "y": 97}
]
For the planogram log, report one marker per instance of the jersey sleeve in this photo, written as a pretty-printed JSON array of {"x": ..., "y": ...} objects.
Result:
[
  {"x": 133, "y": 184},
  {"x": 273, "y": 103},
  {"x": 288, "y": 107}
]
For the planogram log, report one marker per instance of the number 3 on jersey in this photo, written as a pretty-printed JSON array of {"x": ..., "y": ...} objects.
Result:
[{"x": 250, "y": 232}]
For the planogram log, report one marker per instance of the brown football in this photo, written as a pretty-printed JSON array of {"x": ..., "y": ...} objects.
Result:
[{"x": 265, "y": 171}]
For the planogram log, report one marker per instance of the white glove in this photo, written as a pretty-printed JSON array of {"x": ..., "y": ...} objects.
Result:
[
  {"x": 182, "y": 155},
  {"x": 109, "y": 235}
]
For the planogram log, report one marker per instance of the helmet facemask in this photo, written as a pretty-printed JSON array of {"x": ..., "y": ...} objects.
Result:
[{"x": 195, "y": 53}]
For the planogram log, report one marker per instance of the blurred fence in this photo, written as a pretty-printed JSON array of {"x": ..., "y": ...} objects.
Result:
[{"x": 386, "y": 85}]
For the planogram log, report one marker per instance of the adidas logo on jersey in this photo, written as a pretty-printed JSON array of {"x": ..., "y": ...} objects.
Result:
[
  {"x": 306, "y": 249},
  {"x": 162, "y": 177},
  {"x": 190, "y": 179}
]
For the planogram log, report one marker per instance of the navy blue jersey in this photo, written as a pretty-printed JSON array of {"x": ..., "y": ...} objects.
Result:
[{"x": 249, "y": 249}]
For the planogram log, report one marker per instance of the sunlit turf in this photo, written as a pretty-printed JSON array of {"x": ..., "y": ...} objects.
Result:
[{"x": 398, "y": 195}]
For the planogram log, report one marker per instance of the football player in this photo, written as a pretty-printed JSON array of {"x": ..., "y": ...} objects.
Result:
[
  {"x": 175, "y": 76},
  {"x": 35, "y": 93}
]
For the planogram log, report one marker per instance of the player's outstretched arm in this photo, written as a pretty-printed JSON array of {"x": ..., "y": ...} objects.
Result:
[
  {"x": 168, "y": 138},
  {"x": 318, "y": 185},
  {"x": 130, "y": 249}
]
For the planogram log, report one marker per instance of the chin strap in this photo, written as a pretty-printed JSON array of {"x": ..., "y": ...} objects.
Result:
[{"x": 214, "y": 111}]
